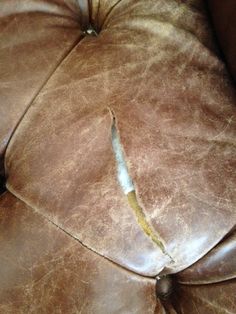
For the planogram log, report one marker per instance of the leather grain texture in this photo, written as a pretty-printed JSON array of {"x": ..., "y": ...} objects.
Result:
[
  {"x": 71, "y": 241},
  {"x": 35, "y": 36},
  {"x": 44, "y": 270},
  {"x": 179, "y": 141}
]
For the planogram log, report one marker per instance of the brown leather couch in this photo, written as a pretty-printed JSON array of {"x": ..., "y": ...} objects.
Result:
[{"x": 71, "y": 241}]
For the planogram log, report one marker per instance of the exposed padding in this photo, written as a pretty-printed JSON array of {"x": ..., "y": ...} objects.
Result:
[
  {"x": 155, "y": 64},
  {"x": 100, "y": 11},
  {"x": 90, "y": 202},
  {"x": 71, "y": 241},
  {"x": 218, "y": 298}
]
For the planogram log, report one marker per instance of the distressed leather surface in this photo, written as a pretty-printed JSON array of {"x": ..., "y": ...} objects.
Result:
[
  {"x": 44, "y": 270},
  {"x": 211, "y": 299},
  {"x": 35, "y": 36},
  {"x": 155, "y": 66}
]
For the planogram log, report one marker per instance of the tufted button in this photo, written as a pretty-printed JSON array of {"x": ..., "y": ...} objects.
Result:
[
  {"x": 164, "y": 287},
  {"x": 71, "y": 239},
  {"x": 90, "y": 31}
]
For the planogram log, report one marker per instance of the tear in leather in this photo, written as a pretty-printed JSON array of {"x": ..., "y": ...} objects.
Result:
[{"x": 128, "y": 188}]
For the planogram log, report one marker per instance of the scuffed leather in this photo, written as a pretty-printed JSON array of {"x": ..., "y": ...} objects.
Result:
[
  {"x": 35, "y": 36},
  {"x": 43, "y": 270},
  {"x": 156, "y": 67},
  {"x": 179, "y": 141}
]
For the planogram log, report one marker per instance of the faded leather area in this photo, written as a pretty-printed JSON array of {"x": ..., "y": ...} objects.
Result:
[
  {"x": 44, "y": 270},
  {"x": 156, "y": 67}
]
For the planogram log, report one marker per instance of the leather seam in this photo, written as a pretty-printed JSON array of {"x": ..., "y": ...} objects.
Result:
[
  {"x": 78, "y": 240},
  {"x": 65, "y": 55}
]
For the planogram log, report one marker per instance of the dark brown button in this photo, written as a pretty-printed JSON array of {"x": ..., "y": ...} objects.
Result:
[{"x": 164, "y": 287}]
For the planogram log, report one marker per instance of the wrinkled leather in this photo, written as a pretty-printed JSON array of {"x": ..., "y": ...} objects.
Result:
[
  {"x": 43, "y": 270},
  {"x": 67, "y": 130},
  {"x": 155, "y": 65},
  {"x": 218, "y": 265},
  {"x": 35, "y": 36}
]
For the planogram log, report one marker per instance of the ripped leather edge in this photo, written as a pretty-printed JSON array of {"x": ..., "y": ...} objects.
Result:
[{"x": 128, "y": 187}]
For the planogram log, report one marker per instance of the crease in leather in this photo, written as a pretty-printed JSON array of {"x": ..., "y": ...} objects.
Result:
[
  {"x": 109, "y": 12},
  {"x": 84, "y": 6},
  {"x": 98, "y": 9},
  {"x": 132, "y": 198},
  {"x": 205, "y": 282},
  {"x": 73, "y": 237},
  {"x": 67, "y": 53},
  {"x": 208, "y": 278}
]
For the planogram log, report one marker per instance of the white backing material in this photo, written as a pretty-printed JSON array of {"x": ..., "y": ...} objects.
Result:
[{"x": 122, "y": 170}]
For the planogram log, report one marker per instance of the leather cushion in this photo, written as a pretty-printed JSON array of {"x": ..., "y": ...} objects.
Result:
[{"x": 155, "y": 66}]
